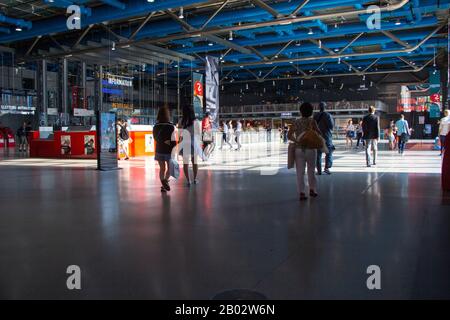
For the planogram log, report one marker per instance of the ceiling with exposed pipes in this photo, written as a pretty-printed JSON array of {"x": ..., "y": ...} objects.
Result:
[{"x": 255, "y": 40}]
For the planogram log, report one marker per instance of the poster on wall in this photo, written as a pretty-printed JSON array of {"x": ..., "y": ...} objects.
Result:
[
  {"x": 106, "y": 141},
  {"x": 89, "y": 145},
  {"x": 66, "y": 145},
  {"x": 212, "y": 89},
  {"x": 149, "y": 143},
  {"x": 198, "y": 94}
]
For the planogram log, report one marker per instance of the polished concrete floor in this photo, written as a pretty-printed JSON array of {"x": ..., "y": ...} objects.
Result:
[{"x": 241, "y": 227}]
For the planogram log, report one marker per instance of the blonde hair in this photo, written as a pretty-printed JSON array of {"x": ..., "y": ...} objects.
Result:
[{"x": 446, "y": 112}]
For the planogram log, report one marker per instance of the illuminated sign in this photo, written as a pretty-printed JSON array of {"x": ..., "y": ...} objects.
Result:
[{"x": 119, "y": 81}]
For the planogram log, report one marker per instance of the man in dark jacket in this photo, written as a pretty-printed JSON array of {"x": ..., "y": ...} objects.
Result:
[
  {"x": 325, "y": 123},
  {"x": 371, "y": 134}
]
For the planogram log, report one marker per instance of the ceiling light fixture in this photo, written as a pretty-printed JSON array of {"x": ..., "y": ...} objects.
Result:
[
  {"x": 398, "y": 22},
  {"x": 181, "y": 16},
  {"x": 18, "y": 29},
  {"x": 310, "y": 31},
  {"x": 230, "y": 37}
]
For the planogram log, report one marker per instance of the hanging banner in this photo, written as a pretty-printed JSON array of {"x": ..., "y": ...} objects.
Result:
[
  {"x": 198, "y": 94},
  {"x": 212, "y": 89}
]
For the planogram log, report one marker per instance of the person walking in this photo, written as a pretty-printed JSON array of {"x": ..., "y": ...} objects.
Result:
[
  {"x": 207, "y": 134},
  {"x": 359, "y": 135},
  {"x": 390, "y": 133},
  {"x": 163, "y": 135},
  {"x": 230, "y": 134},
  {"x": 22, "y": 134},
  {"x": 225, "y": 136},
  {"x": 444, "y": 129},
  {"x": 190, "y": 143},
  {"x": 285, "y": 133},
  {"x": 237, "y": 134},
  {"x": 349, "y": 134},
  {"x": 306, "y": 136},
  {"x": 371, "y": 135},
  {"x": 269, "y": 133},
  {"x": 325, "y": 123},
  {"x": 403, "y": 132},
  {"x": 123, "y": 138}
]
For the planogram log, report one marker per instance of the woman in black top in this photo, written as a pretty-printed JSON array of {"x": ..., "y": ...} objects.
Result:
[{"x": 162, "y": 133}]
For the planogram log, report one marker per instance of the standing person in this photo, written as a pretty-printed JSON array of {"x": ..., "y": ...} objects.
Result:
[
  {"x": 403, "y": 132},
  {"x": 225, "y": 135},
  {"x": 285, "y": 133},
  {"x": 371, "y": 134},
  {"x": 123, "y": 138},
  {"x": 349, "y": 133},
  {"x": 305, "y": 133},
  {"x": 325, "y": 123},
  {"x": 444, "y": 129},
  {"x": 269, "y": 133},
  {"x": 22, "y": 134},
  {"x": 390, "y": 132},
  {"x": 191, "y": 138},
  {"x": 359, "y": 134},
  {"x": 207, "y": 133},
  {"x": 230, "y": 134},
  {"x": 238, "y": 134},
  {"x": 163, "y": 135}
]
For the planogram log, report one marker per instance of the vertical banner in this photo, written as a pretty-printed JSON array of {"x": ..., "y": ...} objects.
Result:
[
  {"x": 212, "y": 89},
  {"x": 198, "y": 94}
]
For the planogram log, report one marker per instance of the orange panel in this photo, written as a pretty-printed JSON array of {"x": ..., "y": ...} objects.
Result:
[{"x": 137, "y": 147}]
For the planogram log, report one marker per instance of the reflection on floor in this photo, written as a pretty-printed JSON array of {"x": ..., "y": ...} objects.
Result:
[{"x": 240, "y": 227}]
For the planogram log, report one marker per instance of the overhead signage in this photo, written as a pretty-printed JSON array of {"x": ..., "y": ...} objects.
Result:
[{"x": 114, "y": 80}]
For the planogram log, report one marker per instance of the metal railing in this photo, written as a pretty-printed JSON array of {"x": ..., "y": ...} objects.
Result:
[{"x": 294, "y": 107}]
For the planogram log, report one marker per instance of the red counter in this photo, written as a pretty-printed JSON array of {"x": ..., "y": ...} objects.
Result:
[{"x": 64, "y": 145}]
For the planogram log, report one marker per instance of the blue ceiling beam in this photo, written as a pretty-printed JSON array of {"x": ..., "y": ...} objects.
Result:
[
  {"x": 16, "y": 22},
  {"x": 105, "y": 13},
  {"x": 5, "y": 30},
  {"x": 64, "y": 4},
  {"x": 303, "y": 35},
  {"x": 115, "y": 3}
]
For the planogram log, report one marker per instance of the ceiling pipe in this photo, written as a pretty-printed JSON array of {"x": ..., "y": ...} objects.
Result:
[
  {"x": 337, "y": 55},
  {"x": 276, "y": 22},
  {"x": 5, "y": 30},
  {"x": 333, "y": 75},
  {"x": 282, "y": 21}
]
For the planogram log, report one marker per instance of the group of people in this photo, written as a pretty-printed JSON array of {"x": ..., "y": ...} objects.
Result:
[
  {"x": 192, "y": 135},
  {"x": 228, "y": 132}
]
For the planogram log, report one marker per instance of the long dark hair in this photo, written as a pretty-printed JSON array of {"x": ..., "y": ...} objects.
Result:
[
  {"x": 188, "y": 116},
  {"x": 163, "y": 115}
]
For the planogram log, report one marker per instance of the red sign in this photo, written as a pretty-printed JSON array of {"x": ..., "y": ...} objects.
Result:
[
  {"x": 198, "y": 89},
  {"x": 435, "y": 97}
]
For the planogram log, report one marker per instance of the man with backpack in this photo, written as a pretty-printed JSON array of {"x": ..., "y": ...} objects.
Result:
[
  {"x": 325, "y": 123},
  {"x": 123, "y": 138}
]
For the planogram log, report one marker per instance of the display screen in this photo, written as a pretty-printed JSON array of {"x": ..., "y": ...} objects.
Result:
[{"x": 107, "y": 140}]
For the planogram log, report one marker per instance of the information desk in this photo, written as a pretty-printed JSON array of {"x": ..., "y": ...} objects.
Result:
[
  {"x": 64, "y": 144},
  {"x": 142, "y": 143},
  {"x": 81, "y": 144}
]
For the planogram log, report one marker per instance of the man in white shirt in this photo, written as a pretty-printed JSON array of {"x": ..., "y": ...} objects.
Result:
[
  {"x": 237, "y": 133},
  {"x": 444, "y": 128},
  {"x": 225, "y": 136}
]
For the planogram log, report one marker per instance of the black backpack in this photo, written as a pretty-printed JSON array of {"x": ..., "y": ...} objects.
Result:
[{"x": 124, "y": 135}]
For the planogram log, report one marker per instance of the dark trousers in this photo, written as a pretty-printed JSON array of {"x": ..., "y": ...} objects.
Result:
[
  {"x": 401, "y": 144},
  {"x": 359, "y": 138},
  {"x": 328, "y": 156},
  {"x": 442, "y": 138}
]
